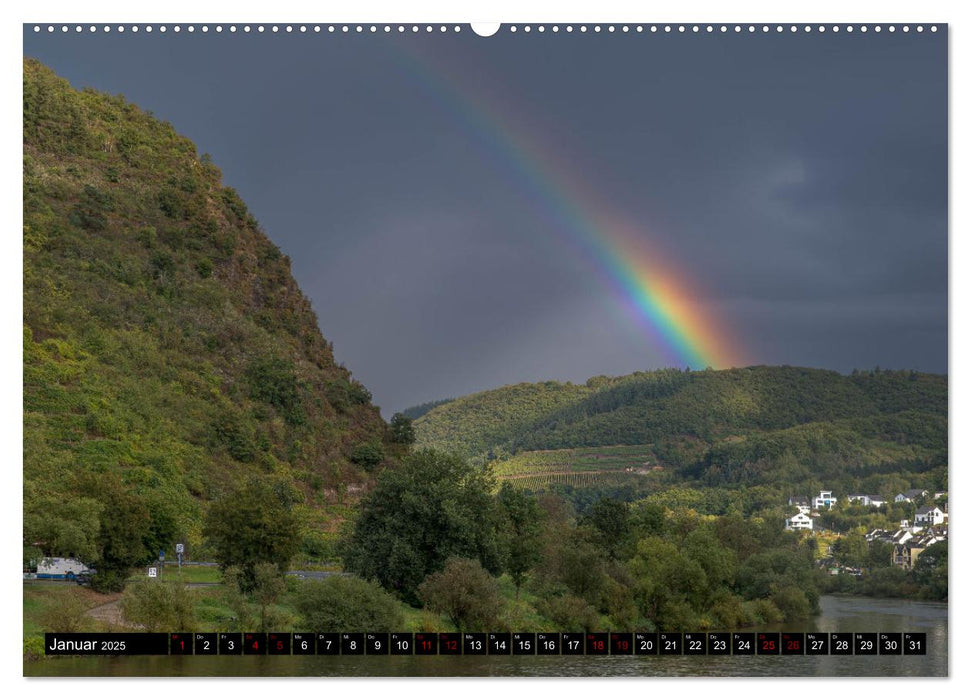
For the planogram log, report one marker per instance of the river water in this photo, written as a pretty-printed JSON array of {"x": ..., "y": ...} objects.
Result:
[{"x": 839, "y": 614}]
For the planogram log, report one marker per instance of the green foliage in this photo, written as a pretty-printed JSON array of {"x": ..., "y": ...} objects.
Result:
[
  {"x": 67, "y": 613},
  {"x": 347, "y": 603},
  {"x": 851, "y": 550},
  {"x": 738, "y": 427},
  {"x": 165, "y": 340},
  {"x": 253, "y": 525},
  {"x": 268, "y": 586},
  {"x": 930, "y": 571},
  {"x": 274, "y": 381},
  {"x": 610, "y": 522},
  {"x": 129, "y": 532},
  {"x": 159, "y": 606},
  {"x": 523, "y": 529},
  {"x": 577, "y": 566},
  {"x": 68, "y": 527},
  {"x": 432, "y": 507},
  {"x": 368, "y": 455},
  {"x": 91, "y": 213},
  {"x": 569, "y": 613},
  {"x": 416, "y": 412},
  {"x": 402, "y": 429},
  {"x": 234, "y": 597},
  {"x": 465, "y": 592}
]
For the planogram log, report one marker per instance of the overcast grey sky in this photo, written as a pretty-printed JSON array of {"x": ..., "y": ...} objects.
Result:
[{"x": 801, "y": 180}]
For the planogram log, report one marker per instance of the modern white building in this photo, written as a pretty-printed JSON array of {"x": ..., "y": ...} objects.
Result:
[{"x": 825, "y": 499}]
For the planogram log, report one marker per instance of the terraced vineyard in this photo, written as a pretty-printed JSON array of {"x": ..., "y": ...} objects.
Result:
[
  {"x": 615, "y": 458},
  {"x": 581, "y": 467},
  {"x": 539, "y": 482}
]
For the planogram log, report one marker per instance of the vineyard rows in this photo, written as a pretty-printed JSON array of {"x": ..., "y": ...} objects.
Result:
[{"x": 580, "y": 479}]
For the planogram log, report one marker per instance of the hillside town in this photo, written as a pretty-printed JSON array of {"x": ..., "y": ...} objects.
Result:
[{"x": 911, "y": 537}]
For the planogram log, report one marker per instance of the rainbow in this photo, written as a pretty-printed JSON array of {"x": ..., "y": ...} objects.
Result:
[{"x": 655, "y": 292}]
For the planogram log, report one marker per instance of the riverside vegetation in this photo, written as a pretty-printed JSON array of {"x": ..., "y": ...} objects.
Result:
[{"x": 177, "y": 389}]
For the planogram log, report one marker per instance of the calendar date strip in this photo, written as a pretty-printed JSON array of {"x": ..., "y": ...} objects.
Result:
[{"x": 486, "y": 643}]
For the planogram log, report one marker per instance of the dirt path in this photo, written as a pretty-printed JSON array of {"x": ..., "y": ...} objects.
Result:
[{"x": 110, "y": 613}]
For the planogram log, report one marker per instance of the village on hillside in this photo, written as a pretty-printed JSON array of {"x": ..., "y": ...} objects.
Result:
[{"x": 926, "y": 527}]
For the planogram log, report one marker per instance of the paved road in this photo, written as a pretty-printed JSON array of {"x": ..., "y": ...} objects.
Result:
[{"x": 297, "y": 574}]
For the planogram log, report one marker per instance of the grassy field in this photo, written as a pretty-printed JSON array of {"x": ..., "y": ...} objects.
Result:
[{"x": 187, "y": 574}]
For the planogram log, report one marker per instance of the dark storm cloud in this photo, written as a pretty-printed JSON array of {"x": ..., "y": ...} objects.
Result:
[{"x": 800, "y": 180}]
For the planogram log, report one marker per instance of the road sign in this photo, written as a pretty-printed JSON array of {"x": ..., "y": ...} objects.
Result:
[
  {"x": 179, "y": 548},
  {"x": 152, "y": 572}
]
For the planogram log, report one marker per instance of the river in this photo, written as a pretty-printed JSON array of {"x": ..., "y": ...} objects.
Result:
[{"x": 839, "y": 614}]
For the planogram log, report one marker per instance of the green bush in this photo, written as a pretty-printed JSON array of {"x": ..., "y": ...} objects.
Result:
[
  {"x": 67, "y": 613},
  {"x": 347, "y": 603},
  {"x": 159, "y": 606},
  {"x": 33, "y": 648},
  {"x": 569, "y": 613},
  {"x": 792, "y": 604},
  {"x": 466, "y": 593},
  {"x": 368, "y": 455}
]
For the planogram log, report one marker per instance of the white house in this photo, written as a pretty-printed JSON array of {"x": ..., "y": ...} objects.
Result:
[
  {"x": 799, "y": 521},
  {"x": 909, "y": 495},
  {"x": 802, "y": 503},
  {"x": 929, "y": 515},
  {"x": 825, "y": 499},
  {"x": 866, "y": 499}
]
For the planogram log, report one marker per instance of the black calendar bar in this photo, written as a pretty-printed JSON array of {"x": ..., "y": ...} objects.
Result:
[
  {"x": 492, "y": 644},
  {"x": 105, "y": 644}
]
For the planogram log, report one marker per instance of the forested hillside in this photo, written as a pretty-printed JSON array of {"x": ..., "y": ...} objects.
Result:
[
  {"x": 739, "y": 426},
  {"x": 168, "y": 352}
]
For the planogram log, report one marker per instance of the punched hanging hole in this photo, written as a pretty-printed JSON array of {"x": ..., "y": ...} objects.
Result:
[{"x": 485, "y": 28}]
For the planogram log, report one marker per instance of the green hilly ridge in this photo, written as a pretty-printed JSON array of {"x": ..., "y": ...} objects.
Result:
[
  {"x": 168, "y": 351},
  {"x": 757, "y": 425}
]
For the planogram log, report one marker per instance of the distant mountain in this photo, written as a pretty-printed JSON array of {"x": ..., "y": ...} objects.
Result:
[
  {"x": 712, "y": 424},
  {"x": 416, "y": 412},
  {"x": 166, "y": 344}
]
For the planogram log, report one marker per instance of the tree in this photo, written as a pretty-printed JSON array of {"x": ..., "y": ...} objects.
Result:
[
  {"x": 62, "y": 525},
  {"x": 610, "y": 520},
  {"x": 569, "y": 612},
  {"x": 432, "y": 507},
  {"x": 851, "y": 550},
  {"x": 465, "y": 592},
  {"x": 578, "y": 565},
  {"x": 235, "y": 599},
  {"x": 347, "y": 603},
  {"x": 251, "y": 525},
  {"x": 268, "y": 586},
  {"x": 124, "y": 532},
  {"x": 524, "y": 519},
  {"x": 930, "y": 571},
  {"x": 402, "y": 429},
  {"x": 159, "y": 606}
]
